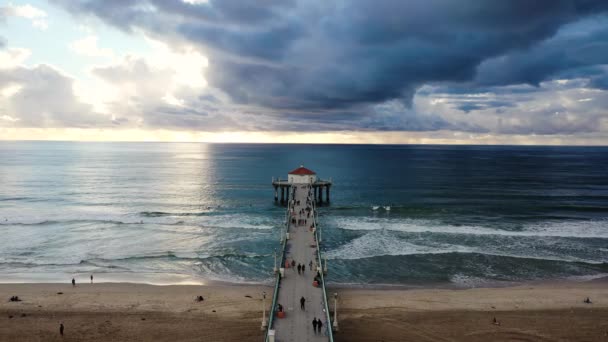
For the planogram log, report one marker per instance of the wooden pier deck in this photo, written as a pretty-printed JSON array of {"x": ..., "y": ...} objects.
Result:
[{"x": 301, "y": 247}]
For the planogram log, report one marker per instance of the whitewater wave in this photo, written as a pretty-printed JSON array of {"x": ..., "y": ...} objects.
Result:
[
  {"x": 163, "y": 214},
  {"x": 159, "y": 256},
  {"x": 573, "y": 229},
  {"x": 378, "y": 244},
  {"x": 55, "y": 222},
  {"x": 385, "y": 243},
  {"x": 237, "y": 221}
]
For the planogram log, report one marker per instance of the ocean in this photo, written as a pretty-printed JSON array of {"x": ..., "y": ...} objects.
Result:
[{"x": 399, "y": 215}]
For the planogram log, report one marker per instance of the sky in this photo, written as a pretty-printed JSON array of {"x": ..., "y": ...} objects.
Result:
[{"x": 306, "y": 71}]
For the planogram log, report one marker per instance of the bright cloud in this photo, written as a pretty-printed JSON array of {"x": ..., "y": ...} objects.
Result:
[
  {"x": 12, "y": 57},
  {"x": 27, "y": 11},
  {"x": 10, "y": 90},
  {"x": 88, "y": 47}
]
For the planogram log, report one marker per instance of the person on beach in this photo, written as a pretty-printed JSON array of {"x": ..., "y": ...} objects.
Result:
[
  {"x": 319, "y": 324},
  {"x": 495, "y": 322},
  {"x": 299, "y": 268},
  {"x": 310, "y": 265},
  {"x": 314, "y": 324},
  {"x": 61, "y": 329},
  {"x": 293, "y": 264},
  {"x": 73, "y": 282},
  {"x": 91, "y": 279},
  {"x": 587, "y": 301},
  {"x": 302, "y": 301}
]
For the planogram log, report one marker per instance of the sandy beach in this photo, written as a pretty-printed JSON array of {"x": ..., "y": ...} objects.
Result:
[{"x": 139, "y": 312}]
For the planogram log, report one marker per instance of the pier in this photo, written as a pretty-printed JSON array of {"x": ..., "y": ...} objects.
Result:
[
  {"x": 300, "y": 243},
  {"x": 302, "y": 174}
]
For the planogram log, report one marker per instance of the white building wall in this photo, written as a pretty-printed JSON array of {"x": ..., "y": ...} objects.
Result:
[{"x": 306, "y": 179}]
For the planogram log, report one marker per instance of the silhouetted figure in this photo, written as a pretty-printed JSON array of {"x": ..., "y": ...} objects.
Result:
[
  {"x": 319, "y": 325},
  {"x": 299, "y": 268},
  {"x": 587, "y": 301},
  {"x": 91, "y": 279},
  {"x": 199, "y": 298},
  {"x": 495, "y": 322},
  {"x": 310, "y": 265},
  {"x": 314, "y": 324},
  {"x": 73, "y": 282},
  {"x": 293, "y": 264},
  {"x": 302, "y": 301},
  {"x": 61, "y": 329}
]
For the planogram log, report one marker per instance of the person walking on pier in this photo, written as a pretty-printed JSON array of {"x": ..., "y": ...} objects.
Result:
[
  {"x": 293, "y": 264},
  {"x": 299, "y": 268},
  {"x": 302, "y": 301},
  {"x": 310, "y": 265},
  {"x": 319, "y": 325},
  {"x": 314, "y": 324}
]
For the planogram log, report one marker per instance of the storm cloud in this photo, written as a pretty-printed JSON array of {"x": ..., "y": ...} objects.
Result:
[
  {"x": 368, "y": 65},
  {"x": 313, "y": 54}
]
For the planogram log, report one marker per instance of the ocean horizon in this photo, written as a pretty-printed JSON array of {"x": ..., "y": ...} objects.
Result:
[{"x": 412, "y": 215}]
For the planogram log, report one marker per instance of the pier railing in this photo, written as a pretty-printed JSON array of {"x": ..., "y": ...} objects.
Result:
[
  {"x": 281, "y": 263},
  {"x": 328, "y": 325}
]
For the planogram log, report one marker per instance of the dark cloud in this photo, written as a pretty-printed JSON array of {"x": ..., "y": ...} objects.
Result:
[
  {"x": 325, "y": 65},
  {"x": 225, "y": 12},
  {"x": 317, "y": 54},
  {"x": 570, "y": 54},
  {"x": 599, "y": 81}
]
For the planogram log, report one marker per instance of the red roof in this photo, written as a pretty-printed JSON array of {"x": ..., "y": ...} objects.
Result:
[{"x": 302, "y": 171}]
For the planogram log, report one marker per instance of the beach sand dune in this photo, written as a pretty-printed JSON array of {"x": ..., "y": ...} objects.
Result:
[{"x": 138, "y": 312}]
